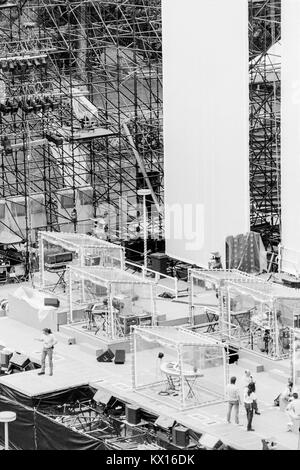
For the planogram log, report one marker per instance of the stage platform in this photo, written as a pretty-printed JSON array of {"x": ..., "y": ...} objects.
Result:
[
  {"x": 97, "y": 342},
  {"x": 169, "y": 313},
  {"x": 73, "y": 367}
]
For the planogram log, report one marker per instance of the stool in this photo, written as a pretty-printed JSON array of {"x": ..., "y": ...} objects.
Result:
[{"x": 7, "y": 417}]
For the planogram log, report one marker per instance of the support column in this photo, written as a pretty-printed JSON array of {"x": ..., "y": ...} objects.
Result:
[{"x": 70, "y": 315}]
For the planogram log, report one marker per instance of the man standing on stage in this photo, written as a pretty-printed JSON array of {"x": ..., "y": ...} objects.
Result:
[
  {"x": 48, "y": 341},
  {"x": 234, "y": 400}
]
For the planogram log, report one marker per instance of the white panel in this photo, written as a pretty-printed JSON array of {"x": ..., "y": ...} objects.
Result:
[
  {"x": 290, "y": 136},
  {"x": 206, "y": 130}
]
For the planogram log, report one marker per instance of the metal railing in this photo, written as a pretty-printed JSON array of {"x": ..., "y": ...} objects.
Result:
[{"x": 147, "y": 272}]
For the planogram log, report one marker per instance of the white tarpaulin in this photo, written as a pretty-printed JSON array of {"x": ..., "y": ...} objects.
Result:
[
  {"x": 9, "y": 238},
  {"x": 290, "y": 137},
  {"x": 206, "y": 128},
  {"x": 82, "y": 107},
  {"x": 27, "y": 306}
]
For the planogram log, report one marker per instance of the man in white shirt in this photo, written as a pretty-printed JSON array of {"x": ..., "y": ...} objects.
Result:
[
  {"x": 234, "y": 400},
  {"x": 293, "y": 411},
  {"x": 48, "y": 341}
]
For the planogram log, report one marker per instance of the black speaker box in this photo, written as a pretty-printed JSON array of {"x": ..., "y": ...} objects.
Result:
[
  {"x": 19, "y": 360},
  {"x": 64, "y": 257},
  {"x": 5, "y": 357},
  {"x": 133, "y": 414},
  {"x": 107, "y": 356},
  {"x": 180, "y": 436},
  {"x": 233, "y": 355},
  {"x": 49, "y": 302},
  {"x": 120, "y": 356},
  {"x": 60, "y": 258}
]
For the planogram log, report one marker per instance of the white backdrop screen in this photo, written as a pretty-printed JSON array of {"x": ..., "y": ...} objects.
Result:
[
  {"x": 290, "y": 136},
  {"x": 206, "y": 131}
]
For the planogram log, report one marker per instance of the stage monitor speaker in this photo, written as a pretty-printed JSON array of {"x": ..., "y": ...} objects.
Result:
[
  {"x": 180, "y": 436},
  {"x": 107, "y": 356},
  {"x": 64, "y": 257},
  {"x": 59, "y": 258},
  {"x": 233, "y": 354},
  {"x": 164, "y": 422},
  {"x": 19, "y": 360},
  {"x": 51, "y": 302},
  {"x": 133, "y": 414},
  {"x": 120, "y": 356},
  {"x": 102, "y": 396},
  {"x": 210, "y": 442}
]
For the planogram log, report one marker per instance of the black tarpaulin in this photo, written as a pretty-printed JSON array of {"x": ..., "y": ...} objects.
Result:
[
  {"x": 34, "y": 430},
  {"x": 22, "y": 431},
  {"x": 54, "y": 398},
  {"x": 51, "y": 435}
]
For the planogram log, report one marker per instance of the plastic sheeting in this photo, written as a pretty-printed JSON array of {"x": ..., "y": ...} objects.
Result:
[
  {"x": 264, "y": 313},
  {"x": 296, "y": 357},
  {"x": 86, "y": 251},
  {"x": 246, "y": 252},
  {"x": 118, "y": 298},
  {"x": 9, "y": 238},
  {"x": 177, "y": 366},
  {"x": 27, "y": 306}
]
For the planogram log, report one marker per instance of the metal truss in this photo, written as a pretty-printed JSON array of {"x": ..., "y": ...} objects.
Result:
[
  {"x": 265, "y": 98},
  {"x": 80, "y": 114}
]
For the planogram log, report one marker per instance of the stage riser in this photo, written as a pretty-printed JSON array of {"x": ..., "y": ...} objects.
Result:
[
  {"x": 98, "y": 342},
  {"x": 269, "y": 364},
  {"x": 198, "y": 320}
]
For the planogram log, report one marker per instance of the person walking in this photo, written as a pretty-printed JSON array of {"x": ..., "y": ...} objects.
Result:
[
  {"x": 49, "y": 342},
  {"x": 248, "y": 379},
  {"x": 249, "y": 396},
  {"x": 234, "y": 400}
]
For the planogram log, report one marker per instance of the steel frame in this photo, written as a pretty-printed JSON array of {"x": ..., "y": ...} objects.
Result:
[
  {"x": 61, "y": 56},
  {"x": 265, "y": 98}
]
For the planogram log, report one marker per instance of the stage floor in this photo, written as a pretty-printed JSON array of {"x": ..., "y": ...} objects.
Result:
[{"x": 73, "y": 367}]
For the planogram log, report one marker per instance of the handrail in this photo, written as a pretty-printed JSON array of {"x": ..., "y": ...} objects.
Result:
[{"x": 157, "y": 276}]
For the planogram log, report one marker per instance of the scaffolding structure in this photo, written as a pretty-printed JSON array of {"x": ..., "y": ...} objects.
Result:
[
  {"x": 80, "y": 115},
  {"x": 265, "y": 98}
]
